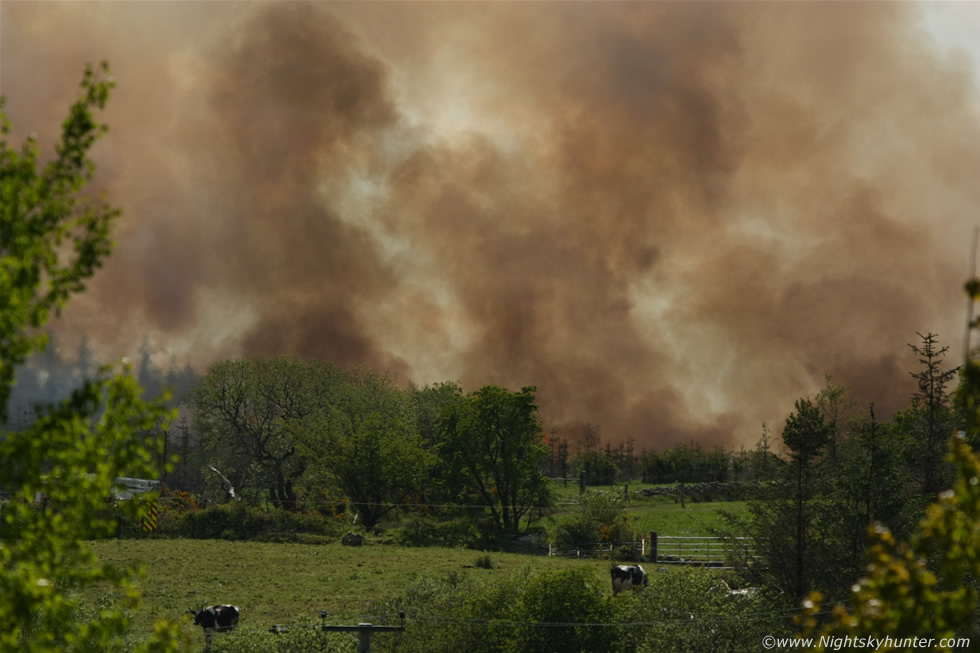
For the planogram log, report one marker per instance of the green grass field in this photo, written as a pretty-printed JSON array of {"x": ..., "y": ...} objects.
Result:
[
  {"x": 661, "y": 514},
  {"x": 281, "y": 583},
  {"x": 669, "y": 518}
]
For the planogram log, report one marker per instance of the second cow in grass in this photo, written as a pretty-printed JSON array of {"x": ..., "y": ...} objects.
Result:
[{"x": 625, "y": 577}]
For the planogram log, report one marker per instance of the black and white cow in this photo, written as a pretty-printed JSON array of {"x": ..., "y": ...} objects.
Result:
[
  {"x": 216, "y": 619},
  {"x": 626, "y": 577}
]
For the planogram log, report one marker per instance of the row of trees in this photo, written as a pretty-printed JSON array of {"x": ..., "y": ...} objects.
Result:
[{"x": 274, "y": 424}]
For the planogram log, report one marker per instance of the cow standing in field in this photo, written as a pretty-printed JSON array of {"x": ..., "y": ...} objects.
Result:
[
  {"x": 216, "y": 619},
  {"x": 626, "y": 577}
]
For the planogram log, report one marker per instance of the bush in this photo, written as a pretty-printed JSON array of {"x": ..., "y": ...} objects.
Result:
[
  {"x": 419, "y": 530},
  {"x": 484, "y": 562},
  {"x": 689, "y": 610},
  {"x": 458, "y": 532},
  {"x": 238, "y": 521},
  {"x": 599, "y": 516},
  {"x": 568, "y": 596}
]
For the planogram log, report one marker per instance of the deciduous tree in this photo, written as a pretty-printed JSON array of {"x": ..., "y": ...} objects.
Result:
[
  {"x": 363, "y": 436},
  {"x": 495, "y": 441},
  {"x": 247, "y": 412}
]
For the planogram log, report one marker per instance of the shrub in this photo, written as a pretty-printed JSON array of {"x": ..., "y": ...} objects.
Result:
[
  {"x": 570, "y": 596},
  {"x": 599, "y": 516},
  {"x": 238, "y": 521},
  {"x": 458, "y": 532},
  {"x": 689, "y": 610},
  {"x": 484, "y": 562},
  {"x": 418, "y": 530},
  {"x": 453, "y": 614}
]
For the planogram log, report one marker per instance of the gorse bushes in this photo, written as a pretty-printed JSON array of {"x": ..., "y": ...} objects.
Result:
[
  {"x": 239, "y": 521},
  {"x": 685, "y": 610},
  {"x": 598, "y": 517}
]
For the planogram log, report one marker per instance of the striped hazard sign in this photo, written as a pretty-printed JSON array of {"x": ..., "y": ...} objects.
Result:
[{"x": 150, "y": 518}]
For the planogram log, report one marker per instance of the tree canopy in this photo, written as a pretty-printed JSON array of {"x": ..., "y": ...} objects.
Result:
[
  {"x": 247, "y": 412},
  {"x": 363, "y": 436},
  {"x": 494, "y": 441}
]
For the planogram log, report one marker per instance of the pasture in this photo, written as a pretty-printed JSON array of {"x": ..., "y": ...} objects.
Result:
[
  {"x": 662, "y": 514},
  {"x": 281, "y": 583},
  {"x": 289, "y": 583}
]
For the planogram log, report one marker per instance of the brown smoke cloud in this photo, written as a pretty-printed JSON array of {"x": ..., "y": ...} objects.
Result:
[{"x": 673, "y": 218}]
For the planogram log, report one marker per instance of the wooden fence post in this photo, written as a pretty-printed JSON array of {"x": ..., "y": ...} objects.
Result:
[
  {"x": 581, "y": 482},
  {"x": 653, "y": 546}
]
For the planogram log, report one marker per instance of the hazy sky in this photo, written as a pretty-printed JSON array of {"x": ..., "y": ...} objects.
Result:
[{"x": 673, "y": 218}]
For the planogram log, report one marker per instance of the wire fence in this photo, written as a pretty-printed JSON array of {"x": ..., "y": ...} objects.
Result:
[{"x": 717, "y": 552}]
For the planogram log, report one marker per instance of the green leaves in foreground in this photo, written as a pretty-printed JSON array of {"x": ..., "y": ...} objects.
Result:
[
  {"x": 900, "y": 596},
  {"x": 72, "y": 454},
  {"x": 52, "y": 239}
]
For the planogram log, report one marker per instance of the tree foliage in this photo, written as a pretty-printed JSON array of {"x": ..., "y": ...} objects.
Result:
[
  {"x": 782, "y": 518},
  {"x": 931, "y": 418},
  {"x": 246, "y": 412},
  {"x": 51, "y": 240},
  {"x": 494, "y": 441},
  {"x": 925, "y": 588},
  {"x": 363, "y": 436},
  {"x": 901, "y": 595},
  {"x": 868, "y": 485}
]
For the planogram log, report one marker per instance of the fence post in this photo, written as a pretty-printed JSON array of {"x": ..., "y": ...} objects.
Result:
[
  {"x": 581, "y": 482},
  {"x": 653, "y": 546},
  {"x": 626, "y": 492}
]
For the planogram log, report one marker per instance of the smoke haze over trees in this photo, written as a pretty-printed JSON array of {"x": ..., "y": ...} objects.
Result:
[{"x": 672, "y": 218}]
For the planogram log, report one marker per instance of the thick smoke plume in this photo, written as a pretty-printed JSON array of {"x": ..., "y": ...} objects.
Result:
[{"x": 673, "y": 218}]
